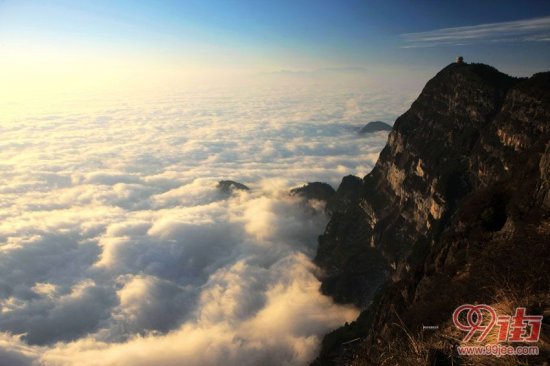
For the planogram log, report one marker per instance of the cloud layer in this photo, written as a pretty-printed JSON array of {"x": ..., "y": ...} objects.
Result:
[
  {"x": 525, "y": 30},
  {"x": 116, "y": 248}
]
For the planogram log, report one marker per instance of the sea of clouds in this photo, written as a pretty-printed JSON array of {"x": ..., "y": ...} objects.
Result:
[{"x": 116, "y": 247}]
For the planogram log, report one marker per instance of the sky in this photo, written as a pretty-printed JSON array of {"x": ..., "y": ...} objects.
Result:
[{"x": 73, "y": 46}]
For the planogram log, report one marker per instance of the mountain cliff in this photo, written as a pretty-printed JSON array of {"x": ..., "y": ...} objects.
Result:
[{"x": 456, "y": 210}]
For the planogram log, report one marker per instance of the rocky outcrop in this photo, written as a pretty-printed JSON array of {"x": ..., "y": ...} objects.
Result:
[
  {"x": 375, "y": 126},
  {"x": 229, "y": 186},
  {"x": 456, "y": 210},
  {"x": 314, "y": 191},
  {"x": 349, "y": 193}
]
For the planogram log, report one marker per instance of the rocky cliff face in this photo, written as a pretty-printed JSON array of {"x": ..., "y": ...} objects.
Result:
[{"x": 456, "y": 210}]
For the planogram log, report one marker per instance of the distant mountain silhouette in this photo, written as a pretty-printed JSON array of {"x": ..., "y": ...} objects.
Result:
[{"x": 375, "y": 126}]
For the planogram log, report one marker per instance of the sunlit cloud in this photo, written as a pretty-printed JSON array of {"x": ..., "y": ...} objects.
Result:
[
  {"x": 117, "y": 248},
  {"x": 525, "y": 30}
]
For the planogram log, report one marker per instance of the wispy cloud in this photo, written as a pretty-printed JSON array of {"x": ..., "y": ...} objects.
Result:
[{"x": 525, "y": 30}]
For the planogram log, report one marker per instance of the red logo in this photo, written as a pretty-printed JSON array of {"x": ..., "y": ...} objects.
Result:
[{"x": 482, "y": 319}]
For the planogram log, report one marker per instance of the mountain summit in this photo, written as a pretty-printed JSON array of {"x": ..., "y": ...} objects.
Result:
[{"x": 455, "y": 211}]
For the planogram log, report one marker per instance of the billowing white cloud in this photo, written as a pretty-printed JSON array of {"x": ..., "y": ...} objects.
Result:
[{"x": 116, "y": 248}]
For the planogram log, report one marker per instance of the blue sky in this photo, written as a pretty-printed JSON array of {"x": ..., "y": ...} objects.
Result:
[{"x": 266, "y": 36}]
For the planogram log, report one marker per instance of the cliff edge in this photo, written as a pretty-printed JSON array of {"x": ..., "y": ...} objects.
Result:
[{"x": 455, "y": 211}]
